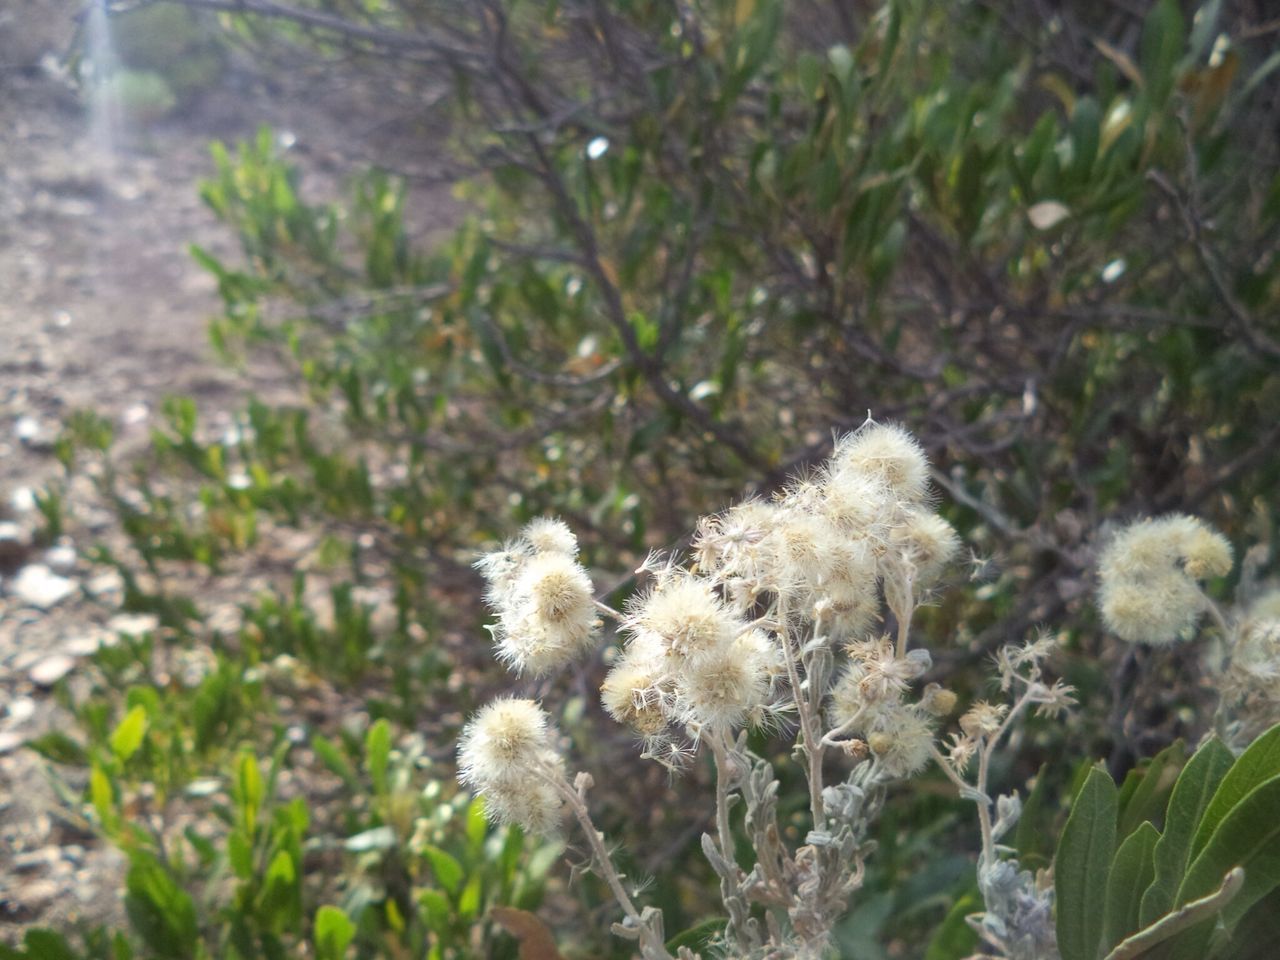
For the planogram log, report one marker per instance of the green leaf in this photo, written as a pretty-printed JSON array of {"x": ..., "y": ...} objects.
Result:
[
  {"x": 1258, "y": 932},
  {"x": 161, "y": 913},
  {"x": 248, "y": 790},
  {"x": 331, "y": 756},
  {"x": 1162, "y": 46},
  {"x": 333, "y": 932},
  {"x": 955, "y": 939},
  {"x": 1248, "y": 837},
  {"x": 477, "y": 823},
  {"x": 469, "y": 902},
  {"x": 1131, "y": 873},
  {"x": 447, "y": 869},
  {"x": 1030, "y": 839},
  {"x": 1085, "y": 851},
  {"x": 377, "y": 751},
  {"x": 59, "y": 748},
  {"x": 436, "y": 906},
  {"x": 1259, "y": 763},
  {"x": 1191, "y": 796},
  {"x": 127, "y": 736},
  {"x": 1145, "y": 793},
  {"x": 698, "y": 937},
  {"x": 42, "y": 944}
]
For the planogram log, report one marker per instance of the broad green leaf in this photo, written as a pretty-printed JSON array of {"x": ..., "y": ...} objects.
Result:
[
  {"x": 1085, "y": 851},
  {"x": 1149, "y": 793},
  {"x": 377, "y": 751},
  {"x": 127, "y": 736},
  {"x": 1256, "y": 935},
  {"x": 41, "y": 944},
  {"x": 1191, "y": 797},
  {"x": 1131, "y": 872},
  {"x": 448, "y": 871},
  {"x": 333, "y": 931},
  {"x": 1248, "y": 837},
  {"x": 1259, "y": 763}
]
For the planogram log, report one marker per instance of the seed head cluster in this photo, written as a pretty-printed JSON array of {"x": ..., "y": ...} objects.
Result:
[
  {"x": 543, "y": 599},
  {"x": 1149, "y": 577},
  {"x": 507, "y": 755}
]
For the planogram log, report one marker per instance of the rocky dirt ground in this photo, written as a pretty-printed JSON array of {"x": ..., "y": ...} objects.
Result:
[{"x": 101, "y": 308}]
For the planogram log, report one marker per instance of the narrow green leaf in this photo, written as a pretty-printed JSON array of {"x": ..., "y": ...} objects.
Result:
[
  {"x": 1085, "y": 851},
  {"x": 1031, "y": 839},
  {"x": 127, "y": 736},
  {"x": 1191, "y": 797},
  {"x": 248, "y": 790},
  {"x": 1259, "y": 763},
  {"x": 377, "y": 751},
  {"x": 59, "y": 748},
  {"x": 331, "y": 756},
  {"x": 955, "y": 939},
  {"x": 1131, "y": 873},
  {"x": 447, "y": 869}
]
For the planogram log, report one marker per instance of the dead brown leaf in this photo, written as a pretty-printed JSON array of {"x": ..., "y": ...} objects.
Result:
[{"x": 536, "y": 942}]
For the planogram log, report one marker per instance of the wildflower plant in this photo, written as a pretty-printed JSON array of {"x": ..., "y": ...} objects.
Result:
[
  {"x": 1151, "y": 592},
  {"x": 792, "y": 614}
]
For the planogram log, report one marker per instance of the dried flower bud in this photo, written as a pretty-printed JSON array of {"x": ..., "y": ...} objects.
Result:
[
  {"x": 938, "y": 701},
  {"x": 983, "y": 719}
]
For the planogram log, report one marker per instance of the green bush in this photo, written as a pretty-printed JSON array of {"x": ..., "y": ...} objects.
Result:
[{"x": 695, "y": 242}]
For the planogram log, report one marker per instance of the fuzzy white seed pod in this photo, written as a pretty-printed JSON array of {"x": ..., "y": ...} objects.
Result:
[
  {"x": 635, "y": 692},
  {"x": 928, "y": 542},
  {"x": 901, "y": 739},
  {"x": 509, "y": 737},
  {"x": 888, "y": 453},
  {"x": 854, "y": 500},
  {"x": 721, "y": 688},
  {"x": 533, "y": 805},
  {"x": 1148, "y": 591},
  {"x": 1155, "y": 611},
  {"x": 550, "y": 535},
  {"x": 688, "y": 617}
]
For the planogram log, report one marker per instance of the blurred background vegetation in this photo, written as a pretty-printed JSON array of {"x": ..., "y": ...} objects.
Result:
[{"x": 694, "y": 242}]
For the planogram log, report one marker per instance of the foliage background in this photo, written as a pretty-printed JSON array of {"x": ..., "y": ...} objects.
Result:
[{"x": 696, "y": 241}]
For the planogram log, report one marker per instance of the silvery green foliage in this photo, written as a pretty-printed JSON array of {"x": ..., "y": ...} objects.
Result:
[{"x": 1018, "y": 921}]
